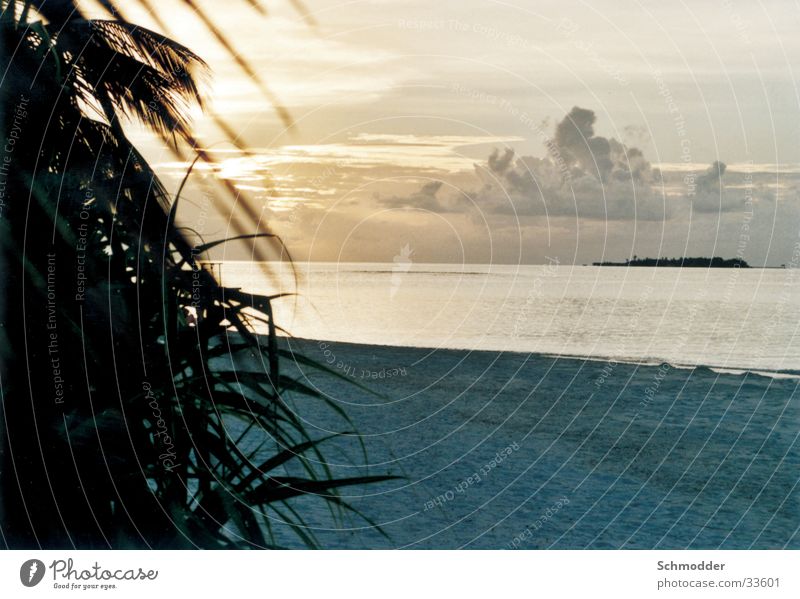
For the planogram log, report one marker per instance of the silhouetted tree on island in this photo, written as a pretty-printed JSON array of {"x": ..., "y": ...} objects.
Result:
[{"x": 715, "y": 262}]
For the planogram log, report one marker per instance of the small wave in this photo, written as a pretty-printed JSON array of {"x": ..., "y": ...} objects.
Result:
[
  {"x": 653, "y": 361},
  {"x": 773, "y": 374}
]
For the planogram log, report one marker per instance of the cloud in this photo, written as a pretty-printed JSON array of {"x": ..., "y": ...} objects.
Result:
[
  {"x": 424, "y": 198},
  {"x": 587, "y": 196},
  {"x": 708, "y": 193},
  {"x": 498, "y": 163},
  {"x": 585, "y": 176}
]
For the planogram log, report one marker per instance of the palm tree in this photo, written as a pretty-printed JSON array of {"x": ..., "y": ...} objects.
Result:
[{"x": 118, "y": 432}]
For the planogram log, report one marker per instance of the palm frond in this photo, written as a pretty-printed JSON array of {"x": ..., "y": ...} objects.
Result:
[{"x": 180, "y": 451}]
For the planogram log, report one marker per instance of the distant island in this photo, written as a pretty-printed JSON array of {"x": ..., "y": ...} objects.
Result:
[{"x": 715, "y": 262}]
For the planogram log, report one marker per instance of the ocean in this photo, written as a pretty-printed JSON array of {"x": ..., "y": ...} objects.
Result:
[{"x": 733, "y": 319}]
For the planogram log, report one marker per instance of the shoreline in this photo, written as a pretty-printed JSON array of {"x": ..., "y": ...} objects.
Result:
[
  {"x": 285, "y": 264},
  {"x": 631, "y": 361}
]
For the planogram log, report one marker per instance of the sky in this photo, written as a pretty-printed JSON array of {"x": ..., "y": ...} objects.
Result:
[{"x": 504, "y": 132}]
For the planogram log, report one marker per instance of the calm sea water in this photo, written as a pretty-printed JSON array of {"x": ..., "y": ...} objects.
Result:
[{"x": 726, "y": 318}]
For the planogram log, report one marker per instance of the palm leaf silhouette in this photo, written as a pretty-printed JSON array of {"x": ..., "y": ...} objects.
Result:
[{"x": 121, "y": 430}]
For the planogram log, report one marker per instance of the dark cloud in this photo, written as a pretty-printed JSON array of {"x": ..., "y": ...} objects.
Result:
[
  {"x": 576, "y": 144},
  {"x": 708, "y": 194},
  {"x": 499, "y": 163},
  {"x": 425, "y": 198},
  {"x": 587, "y": 154},
  {"x": 430, "y": 189}
]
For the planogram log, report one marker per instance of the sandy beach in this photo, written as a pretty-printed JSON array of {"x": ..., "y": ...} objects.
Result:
[{"x": 509, "y": 450}]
